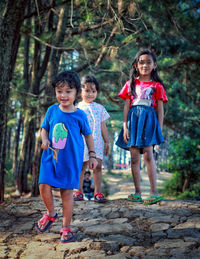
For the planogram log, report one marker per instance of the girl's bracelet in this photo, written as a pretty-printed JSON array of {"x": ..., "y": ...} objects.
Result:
[
  {"x": 91, "y": 151},
  {"x": 92, "y": 157}
]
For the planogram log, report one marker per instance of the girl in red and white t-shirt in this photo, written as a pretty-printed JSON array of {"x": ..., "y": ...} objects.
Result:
[{"x": 144, "y": 94}]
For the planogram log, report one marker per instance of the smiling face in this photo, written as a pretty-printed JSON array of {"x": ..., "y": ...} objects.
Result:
[
  {"x": 66, "y": 97},
  {"x": 145, "y": 65},
  {"x": 89, "y": 93}
]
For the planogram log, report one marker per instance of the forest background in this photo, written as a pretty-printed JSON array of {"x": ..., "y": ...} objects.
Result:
[{"x": 39, "y": 38}]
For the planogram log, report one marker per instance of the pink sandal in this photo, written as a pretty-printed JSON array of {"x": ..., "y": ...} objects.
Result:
[
  {"x": 44, "y": 220},
  {"x": 101, "y": 197},
  {"x": 66, "y": 232},
  {"x": 78, "y": 196}
]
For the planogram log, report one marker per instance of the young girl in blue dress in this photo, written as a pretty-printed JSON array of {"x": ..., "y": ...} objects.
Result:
[
  {"x": 62, "y": 158},
  {"x": 144, "y": 94}
]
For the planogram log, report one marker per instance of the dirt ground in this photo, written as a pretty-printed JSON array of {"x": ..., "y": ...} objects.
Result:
[
  {"x": 115, "y": 185},
  {"x": 119, "y": 183}
]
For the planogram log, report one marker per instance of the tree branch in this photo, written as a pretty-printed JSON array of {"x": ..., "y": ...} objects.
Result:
[
  {"x": 185, "y": 61},
  {"x": 45, "y": 9},
  {"x": 105, "y": 48},
  {"x": 48, "y": 44}
]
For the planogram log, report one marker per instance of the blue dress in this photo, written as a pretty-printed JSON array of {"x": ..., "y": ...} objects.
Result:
[
  {"x": 144, "y": 129},
  {"x": 142, "y": 122},
  {"x": 61, "y": 168}
]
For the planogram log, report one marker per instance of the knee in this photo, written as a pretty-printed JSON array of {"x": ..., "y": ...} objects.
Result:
[
  {"x": 69, "y": 193},
  {"x": 98, "y": 168},
  {"x": 148, "y": 157},
  {"x": 135, "y": 160},
  {"x": 43, "y": 187},
  {"x": 66, "y": 193}
]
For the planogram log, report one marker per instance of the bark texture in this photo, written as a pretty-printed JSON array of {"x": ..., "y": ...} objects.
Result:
[{"x": 9, "y": 41}]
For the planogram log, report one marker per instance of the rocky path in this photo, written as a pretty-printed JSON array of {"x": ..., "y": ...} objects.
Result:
[{"x": 118, "y": 229}]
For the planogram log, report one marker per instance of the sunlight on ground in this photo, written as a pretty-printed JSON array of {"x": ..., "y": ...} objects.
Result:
[{"x": 120, "y": 183}]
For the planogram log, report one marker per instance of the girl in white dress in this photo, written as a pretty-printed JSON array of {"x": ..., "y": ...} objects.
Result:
[{"x": 97, "y": 115}]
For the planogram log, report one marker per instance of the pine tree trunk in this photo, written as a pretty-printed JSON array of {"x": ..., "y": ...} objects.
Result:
[
  {"x": 9, "y": 41},
  {"x": 36, "y": 166},
  {"x": 2, "y": 173},
  {"x": 49, "y": 91},
  {"x": 39, "y": 66},
  {"x": 16, "y": 146},
  {"x": 8, "y": 141},
  {"x": 186, "y": 181},
  {"x": 26, "y": 154}
]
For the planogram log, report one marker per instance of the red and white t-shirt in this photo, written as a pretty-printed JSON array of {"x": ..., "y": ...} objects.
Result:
[{"x": 151, "y": 91}]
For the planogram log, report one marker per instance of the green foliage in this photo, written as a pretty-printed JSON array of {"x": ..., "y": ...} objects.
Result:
[
  {"x": 9, "y": 179},
  {"x": 192, "y": 193},
  {"x": 184, "y": 163},
  {"x": 170, "y": 28},
  {"x": 174, "y": 186}
]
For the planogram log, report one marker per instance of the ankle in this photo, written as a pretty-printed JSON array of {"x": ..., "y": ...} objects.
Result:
[
  {"x": 138, "y": 192},
  {"x": 154, "y": 194},
  {"x": 65, "y": 226},
  {"x": 52, "y": 213}
]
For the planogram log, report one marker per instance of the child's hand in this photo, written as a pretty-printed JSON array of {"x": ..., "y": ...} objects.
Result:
[
  {"x": 45, "y": 144},
  {"x": 106, "y": 149},
  {"x": 156, "y": 148},
  {"x": 92, "y": 163},
  {"x": 126, "y": 135}
]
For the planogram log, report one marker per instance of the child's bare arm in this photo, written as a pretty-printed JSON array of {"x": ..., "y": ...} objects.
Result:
[
  {"x": 125, "y": 116},
  {"x": 104, "y": 133},
  {"x": 92, "y": 155},
  {"x": 45, "y": 139},
  {"x": 160, "y": 113}
]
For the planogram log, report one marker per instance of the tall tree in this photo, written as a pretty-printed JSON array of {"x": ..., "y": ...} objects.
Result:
[
  {"x": 9, "y": 41},
  {"x": 48, "y": 99},
  {"x": 39, "y": 65},
  {"x": 102, "y": 37}
]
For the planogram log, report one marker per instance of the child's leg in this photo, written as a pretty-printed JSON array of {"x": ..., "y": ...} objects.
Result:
[
  {"x": 135, "y": 169},
  {"x": 151, "y": 168},
  {"x": 97, "y": 176},
  {"x": 67, "y": 204},
  {"x": 84, "y": 167},
  {"x": 47, "y": 197}
]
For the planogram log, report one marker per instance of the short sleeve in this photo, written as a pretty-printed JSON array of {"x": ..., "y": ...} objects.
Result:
[
  {"x": 85, "y": 127},
  {"x": 160, "y": 93},
  {"x": 104, "y": 114},
  {"x": 125, "y": 93}
]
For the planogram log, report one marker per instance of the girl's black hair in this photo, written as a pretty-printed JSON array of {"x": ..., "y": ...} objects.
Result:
[
  {"x": 90, "y": 79},
  {"x": 134, "y": 73},
  {"x": 68, "y": 77}
]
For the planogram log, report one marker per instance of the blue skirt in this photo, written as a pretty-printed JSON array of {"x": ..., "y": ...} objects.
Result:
[{"x": 144, "y": 128}]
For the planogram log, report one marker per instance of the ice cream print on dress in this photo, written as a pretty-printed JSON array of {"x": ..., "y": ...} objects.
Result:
[{"x": 60, "y": 134}]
